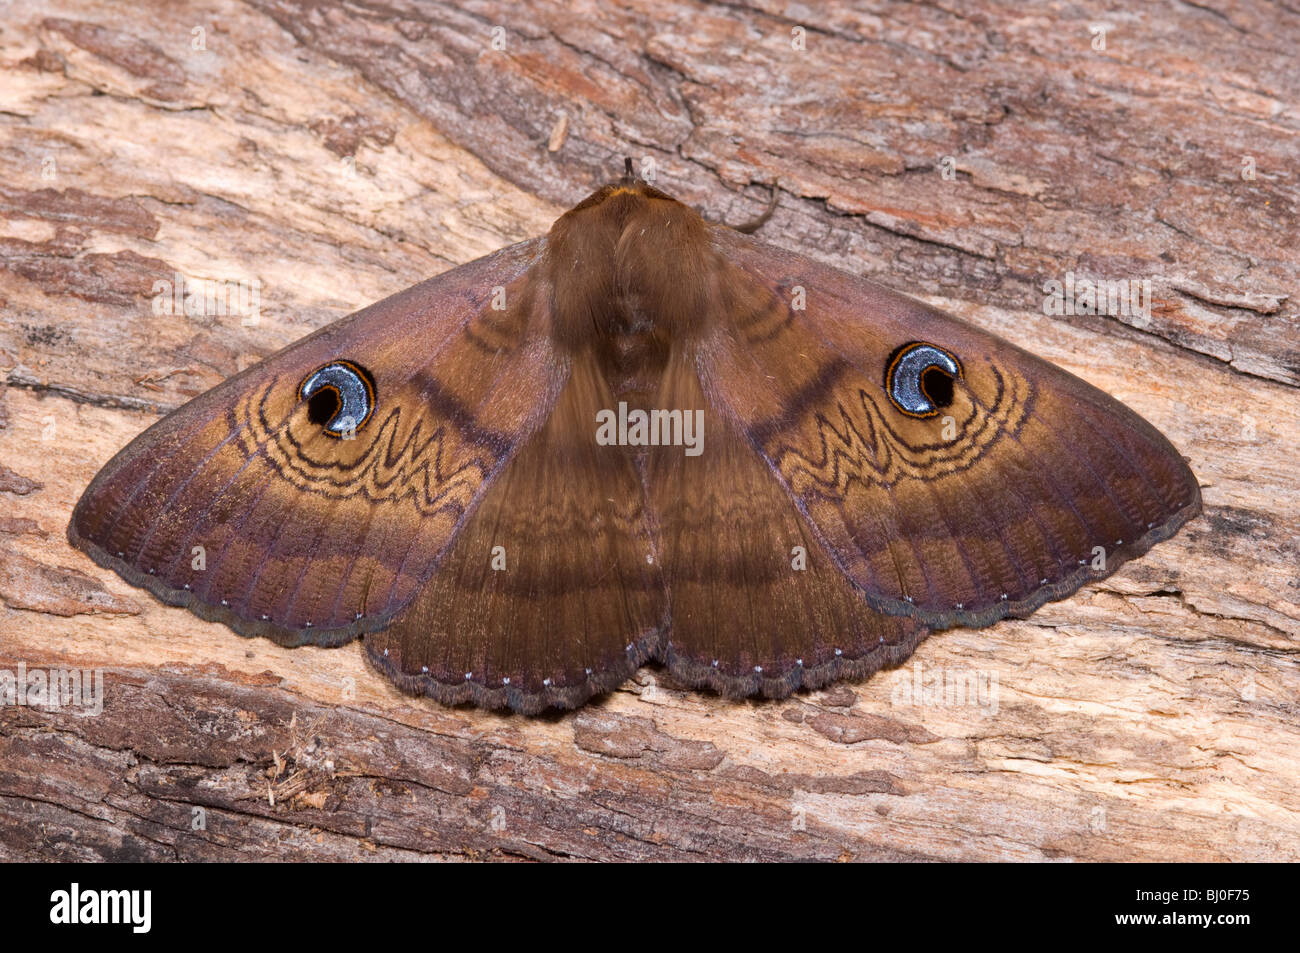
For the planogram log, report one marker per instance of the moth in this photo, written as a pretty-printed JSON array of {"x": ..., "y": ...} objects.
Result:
[{"x": 488, "y": 478}]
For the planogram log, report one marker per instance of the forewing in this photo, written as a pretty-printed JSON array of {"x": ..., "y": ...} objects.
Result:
[
  {"x": 1028, "y": 484},
  {"x": 240, "y": 506}
]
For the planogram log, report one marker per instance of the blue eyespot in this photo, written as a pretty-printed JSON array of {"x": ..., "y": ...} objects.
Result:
[
  {"x": 340, "y": 397},
  {"x": 920, "y": 377}
]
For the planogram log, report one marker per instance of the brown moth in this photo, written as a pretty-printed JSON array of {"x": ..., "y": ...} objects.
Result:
[{"x": 639, "y": 437}]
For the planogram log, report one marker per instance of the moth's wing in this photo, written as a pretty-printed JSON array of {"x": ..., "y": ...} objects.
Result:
[
  {"x": 240, "y": 507},
  {"x": 552, "y": 592},
  {"x": 757, "y": 604},
  {"x": 1040, "y": 478}
]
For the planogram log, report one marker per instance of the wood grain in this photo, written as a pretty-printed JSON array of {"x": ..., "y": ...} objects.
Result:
[{"x": 340, "y": 153}]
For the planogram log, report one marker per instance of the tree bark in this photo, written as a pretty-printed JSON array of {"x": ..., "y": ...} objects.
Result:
[{"x": 338, "y": 153}]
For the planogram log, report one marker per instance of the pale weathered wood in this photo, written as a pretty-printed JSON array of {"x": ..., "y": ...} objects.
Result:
[{"x": 340, "y": 153}]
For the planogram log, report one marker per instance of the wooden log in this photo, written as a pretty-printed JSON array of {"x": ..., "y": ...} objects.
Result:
[{"x": 335, "y": 154}]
